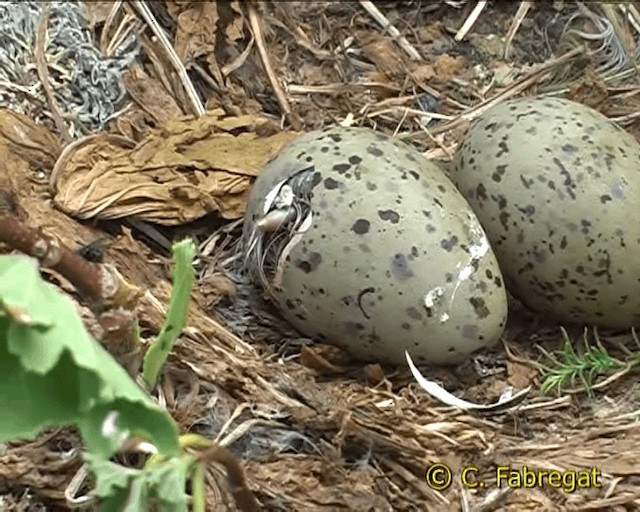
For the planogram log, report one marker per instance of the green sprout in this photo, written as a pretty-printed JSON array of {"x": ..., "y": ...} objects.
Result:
[
  {"x": 175, "y": 321},
  {"x": 570, "y": 368}
]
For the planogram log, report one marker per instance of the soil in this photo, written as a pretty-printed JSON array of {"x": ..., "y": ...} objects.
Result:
[{"x": 313, "y": 429}]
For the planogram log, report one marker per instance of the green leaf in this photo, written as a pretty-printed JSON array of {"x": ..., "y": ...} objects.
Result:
[
  {"x": 54, "y": 373},
  {"x": 183, "y": 275},
  {"x": 132, "y": 490},
  {"x": 19, "y": 281}
]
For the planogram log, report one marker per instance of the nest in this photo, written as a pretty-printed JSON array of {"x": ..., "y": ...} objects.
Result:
[{"x": 178, "y": 152}]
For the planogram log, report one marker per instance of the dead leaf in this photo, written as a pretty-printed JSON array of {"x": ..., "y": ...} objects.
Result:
[
  {"x": 235, "y": 28},
  {"x": 32, "y": 142},
  {"x": 520, "y": 375},
  {"x": 591, "y": 90},
  {"x": 181, "y": 171},
  {"x": 381, "y": 50},
  {"x": 216, "y": 287},
  {"x": 423, "y": 73},
  {"x": 150, "y": 95},
  {"x": 97, "y": 12},
  {"x": 196, "y": 31},
  {"x": 374, "y": 373},
  {"x": 446, "y": 66}
]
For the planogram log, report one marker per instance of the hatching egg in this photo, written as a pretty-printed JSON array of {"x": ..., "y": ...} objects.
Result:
[
  {"x": 556, "y": 184},
  {"x": 362, "y": 242}
]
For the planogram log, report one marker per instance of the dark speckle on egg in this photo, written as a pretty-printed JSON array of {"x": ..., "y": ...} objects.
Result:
[
  {"x": 479, "y": 307},
  {"x": 361, "y": 227},
  {"x": 414, "y": 314},
  {"x": 331, "y": 184},
  {"x": 448, "y": 244},
  {"x": 389, "y": 215},
  {"x": 499, "y": 172},
  {"x": 400, "y": 268},
  {"x": 374, "y": 150},
  {"x": 310, "y": 264},
  {"x": 470, "y": 332}
]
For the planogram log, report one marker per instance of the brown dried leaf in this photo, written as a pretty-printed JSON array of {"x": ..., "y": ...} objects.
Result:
[
  {"x": 32, "y": 142},
  {"x": 423, "y": 73},
  {"x": 216, "y": 287},
  {"x": 97, "y": 12},
  {"x": 180, "y": 171},
  {"x": 149, "y": 94},
  {"x": 520, "y": 375},
  {"x": 447, "y": 67},
  {"x": 591, "y": 90},
  {"x": 36, "y": 465},
  {"x": 196, "y": 31},
  {"x": 381, "y": 50},
  {"x": 374, "y": 373},
  {"x": 235, "y": 28}
]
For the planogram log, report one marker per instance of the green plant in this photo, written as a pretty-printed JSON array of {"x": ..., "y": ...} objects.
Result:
[
  {"x": 183, "y": 275},
  {"x": 56, "y": 374},
  {"x": 568, "y": 368}
]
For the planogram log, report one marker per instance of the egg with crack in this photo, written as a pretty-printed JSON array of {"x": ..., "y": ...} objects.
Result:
[{"x": 362, "y": 242}]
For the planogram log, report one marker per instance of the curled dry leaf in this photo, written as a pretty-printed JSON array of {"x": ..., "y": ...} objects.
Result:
[{"x": 181, "y": 171}]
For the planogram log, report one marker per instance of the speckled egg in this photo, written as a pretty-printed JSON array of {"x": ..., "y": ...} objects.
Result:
[
  {"x": 556, "y": 185},
  {"x": 363, "y": 243}
]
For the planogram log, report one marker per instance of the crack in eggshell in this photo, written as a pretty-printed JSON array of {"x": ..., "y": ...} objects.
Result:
[
  {"x": 477, "y": 250},
  {"x": 295, "y": 239},
  {"x": 272, "y": 196}
]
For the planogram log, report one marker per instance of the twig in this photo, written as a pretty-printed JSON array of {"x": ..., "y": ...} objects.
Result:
[
  {"x": 128, "y": 24},
  {"x": 433, "y": 139},
  {"x": 513, "y": 90},
  {"x": 337, "y": 88},
  {"x": 388, "y": 27},
  {"x": 475, "y": 14},
  {"x": 157, "y": 30},
  {"x": 43, "y": 74},
  {"x": 523, "y": 9},
  {"x": 492, "y": 501},
  {"x": 104, "y": 45},
  {"x": 244, "y": 498},
  {"x": 254, "y": 22},
  {"x": 95, "y": 282},
  {"x": 632, "y": 15}
]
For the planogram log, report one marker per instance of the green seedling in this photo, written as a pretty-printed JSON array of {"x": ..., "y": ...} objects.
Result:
[
  {"x": 569, "y": 369},
  {"x": 183, "y": 276}
]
